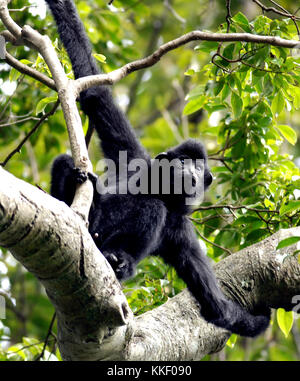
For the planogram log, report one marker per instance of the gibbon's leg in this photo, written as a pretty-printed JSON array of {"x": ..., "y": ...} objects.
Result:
[{"x": 184, "y": 253}]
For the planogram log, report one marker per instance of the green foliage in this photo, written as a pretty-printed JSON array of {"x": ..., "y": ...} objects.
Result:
[
  {"x": 29, "y": 350},
  {"x": 256, "y": 87},
  {"x": 153, "y": 284}
]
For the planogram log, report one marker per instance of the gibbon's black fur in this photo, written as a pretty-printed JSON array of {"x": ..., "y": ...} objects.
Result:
[{"x": 127, "y": 227}]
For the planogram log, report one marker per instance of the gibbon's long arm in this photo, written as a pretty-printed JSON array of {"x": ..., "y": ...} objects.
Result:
[
  {"x": 184, "y": 253},
  {"x": 113, "y": 129}
]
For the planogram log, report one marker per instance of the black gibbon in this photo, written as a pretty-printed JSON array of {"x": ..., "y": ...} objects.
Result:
[{"x": 128, "y": 227}]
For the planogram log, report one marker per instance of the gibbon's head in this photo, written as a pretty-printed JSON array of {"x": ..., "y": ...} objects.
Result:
[{"x": 187, "y": 176}]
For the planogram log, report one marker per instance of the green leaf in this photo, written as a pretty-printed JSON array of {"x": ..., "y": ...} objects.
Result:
[
  {"x": 292, "y": 206},
  {"x": 207, "y": 46},
  {"x": 242, "y": 21},
  {"x": 232, "y": 340},
  {"x": 196, "y": 92},
  {"x": 228, "y": 51},
  {"x": 100, "y": 57},
  {"x": 285, "y": 320},
  {"x": 225, "y": 92},
  {"x": 278, "y": 103},
  {"x": 26, "y": 62},
  {"x": 287, "y": 242},
  {"x": 190, "y": 72},
  {"x": 245, "y": 220},
  {"x": 288, "y": 133},
  {"x": 219, "y": 86},
  {"x": 256, "y": 235},
  {"x": 14, "y": 75},
  {"x": 295, "y": 92},
  {"x": 43, "y": 103},
  {"x": 237, "y": 105},
  {"x": 194, "y": 105}
]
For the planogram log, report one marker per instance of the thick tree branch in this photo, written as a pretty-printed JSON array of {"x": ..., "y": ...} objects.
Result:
[{"x": 94, "y": 320}]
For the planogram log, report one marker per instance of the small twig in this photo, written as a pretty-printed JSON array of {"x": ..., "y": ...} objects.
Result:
[
  {"x": 234, "y": 207},
  {"x": 174, "y": 13},
  {"x": 166, "y": 115},
  {"x": 41, "y": 355},
  {"x": 25, "y": 347},
  {"x": 43, "y": 118},
  {"x": 265, "y": 221},
  {"x": 23, "y": 8},
  {"x": 212, "y": 243},
  {"x": 18, "y": 121},
  {"x": 203, "y": 220},
  {"x": 296, "y": 11},
  {"x": 228, "y": 16},
  {"x": 278, "y": 6},
  {"x": 272, "y": 9}
]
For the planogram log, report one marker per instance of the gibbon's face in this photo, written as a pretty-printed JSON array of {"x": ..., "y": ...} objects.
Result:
[{"x": 189, "y": 173}]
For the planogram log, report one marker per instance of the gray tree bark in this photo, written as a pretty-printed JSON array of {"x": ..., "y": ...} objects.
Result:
[{"x": 94, "y": 319}]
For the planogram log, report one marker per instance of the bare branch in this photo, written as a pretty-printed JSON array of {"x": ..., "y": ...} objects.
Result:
[
  {"x": 117, "y": 75},
  {"x": 281, "y": 12},
  {"x": 228, "y": 16},
  {"x": 236, "y": 207}
]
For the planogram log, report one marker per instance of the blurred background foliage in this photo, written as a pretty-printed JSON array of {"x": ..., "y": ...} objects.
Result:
[{"x": 242, "y": 102}]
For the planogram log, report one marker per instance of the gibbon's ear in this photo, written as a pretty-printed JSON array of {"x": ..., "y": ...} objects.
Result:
[{"x": 162, "y": 155}]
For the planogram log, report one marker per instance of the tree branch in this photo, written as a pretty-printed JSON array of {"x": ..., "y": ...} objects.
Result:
[
  {"x": 29, "y": 71},
  {"x": 117, "y": 75},
  {"x": 94, "y": 320},
  {"x": 281, "y": 12}
]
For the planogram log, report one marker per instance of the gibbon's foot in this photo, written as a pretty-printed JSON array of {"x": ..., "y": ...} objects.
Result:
[
  {"x": 92, "y": 177},
  {"x": 121, "y": 263},
  {"x": 80, "y": 176},
  {"x": 236, "y": 319}
]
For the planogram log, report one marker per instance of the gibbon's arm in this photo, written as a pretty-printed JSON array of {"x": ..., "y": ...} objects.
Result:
[
  {"x": 113, "y": 129},
  {"x": 184, "y": 253}
]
